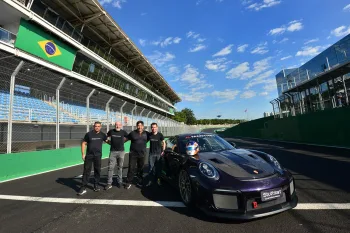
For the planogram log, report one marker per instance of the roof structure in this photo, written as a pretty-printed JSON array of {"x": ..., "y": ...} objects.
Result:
[{"x": 96, "y": 24}]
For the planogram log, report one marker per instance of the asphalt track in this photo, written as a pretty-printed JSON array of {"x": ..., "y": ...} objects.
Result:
[{"x": 321, "y": 178}]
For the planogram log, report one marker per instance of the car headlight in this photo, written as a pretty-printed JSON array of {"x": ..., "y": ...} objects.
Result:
[
  {"x": 275, "y": 162},
  {"x": 208, "y": 170}
]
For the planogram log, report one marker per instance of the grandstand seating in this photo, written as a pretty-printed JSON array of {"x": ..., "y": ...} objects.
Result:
[{"x": 28, "y": 108}]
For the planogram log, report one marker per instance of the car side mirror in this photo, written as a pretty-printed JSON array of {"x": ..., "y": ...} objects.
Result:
[{"x": 233, "y": 144}]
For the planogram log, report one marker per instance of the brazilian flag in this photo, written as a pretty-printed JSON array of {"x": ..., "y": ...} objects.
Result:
[{"x": 32, "y": 39}]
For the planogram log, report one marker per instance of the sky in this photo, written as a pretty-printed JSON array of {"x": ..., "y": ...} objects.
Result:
[{"x": 221, "y": 56}]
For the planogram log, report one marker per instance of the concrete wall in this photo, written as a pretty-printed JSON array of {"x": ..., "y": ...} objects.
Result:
[{"x": 329, "y": 127}]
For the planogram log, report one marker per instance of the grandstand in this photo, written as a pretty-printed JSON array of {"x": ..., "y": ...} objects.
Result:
[{"x": 65, "y": 64}]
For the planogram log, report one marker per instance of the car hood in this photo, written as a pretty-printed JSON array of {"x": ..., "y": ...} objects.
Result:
[{"x": 239, "y": 163}]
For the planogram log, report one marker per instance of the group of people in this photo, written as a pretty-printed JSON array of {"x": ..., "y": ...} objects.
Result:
[{"x": 92, "y": 155}]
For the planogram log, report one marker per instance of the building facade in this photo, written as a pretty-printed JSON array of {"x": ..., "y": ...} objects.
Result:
[{"x": 320, "y": 83}]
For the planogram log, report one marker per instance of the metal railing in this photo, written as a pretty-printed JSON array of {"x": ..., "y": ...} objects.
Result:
[
  {"x": 6, "y": 36},
  {"x": 32, "y": 121}
]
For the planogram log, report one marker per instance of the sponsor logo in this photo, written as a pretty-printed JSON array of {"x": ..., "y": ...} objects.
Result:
[
  {"x": 256, "y": 172},
  {"x": 50, "y": 48}
]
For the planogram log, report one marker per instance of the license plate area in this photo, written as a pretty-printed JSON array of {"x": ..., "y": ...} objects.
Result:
[{"x": 271, "y": 194}]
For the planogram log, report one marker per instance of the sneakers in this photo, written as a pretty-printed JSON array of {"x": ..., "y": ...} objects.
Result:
[
  {"x": 108, "y": 186},
  {"x": 127, "y": 186},
  {"x": 96, "y": 188},
  {"x": 82, "y": 191}
]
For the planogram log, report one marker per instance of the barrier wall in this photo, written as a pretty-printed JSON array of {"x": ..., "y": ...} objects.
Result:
[
  {"x": 329, "y": 127},
  {"x": 29, "y": 163}
]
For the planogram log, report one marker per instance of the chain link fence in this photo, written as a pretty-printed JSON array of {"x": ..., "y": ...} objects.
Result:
[{"x": 50, "y": 111}]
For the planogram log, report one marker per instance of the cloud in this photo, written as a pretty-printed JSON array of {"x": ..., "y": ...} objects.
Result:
[
  {"x": 197, "y": 48},
  {"x": 193, "y": 97},
  {"x": 260, "y": 49},
  {"x": 159, "y": 59},
  {"x": 144, "y": 13},
  {"x": 260, "y": 79},
  {"x": 347, "y": 8},
  {"x": 219, "y": 64},
  {"x": 195, "y": 36},
  {"x": 221, "y": 40},
  {"x": 277, "y": 31},
  {"x": 243, "y": 70},
  {"x": 167, "y": 41},
  {"x": 118, "y": 3},
  {"x": 295, "y": 25},
  {"x": 193, "y": 79},
  {"x": 142, "y": 42},
  {"x": 225, "y": 96},
  {"x": 192, "y": 34},
  {"x": 103, "y": 2},
  {"x": 309, "y": 51},
  {"x": 173, "y": 69},
  {"x": 248, "y": 94},
  {"x": 242, "y": 48},
  {"x": 200, "y": 1},
  {"x": 238, "y": 71},
  {"x": 263, "y": 4},
  {"x": 225, "y": 51},
  {"x": 311, "y": 41},
  {"x": 265, "y": 93},
  {"x": 285, "y": 58},
  {"x": 341, "y": 31},
  {"x": 270, "y": 85},
  {"x": 281, "y": 41}
]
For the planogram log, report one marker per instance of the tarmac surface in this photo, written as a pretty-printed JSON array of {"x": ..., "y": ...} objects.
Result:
[{"x": 48, "y": 202}]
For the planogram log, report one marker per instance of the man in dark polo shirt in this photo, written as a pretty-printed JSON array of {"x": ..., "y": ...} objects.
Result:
[
  {"x": 156, "y": 150},
  {"x": 137, "y": 154},
  {"x": 94, "y": 140},
  {"x": 117, "y": 138}
]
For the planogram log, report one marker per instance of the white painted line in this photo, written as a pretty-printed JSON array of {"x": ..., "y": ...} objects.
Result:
[
  {"x": 300, "y": 206},
  {"x": 94, "y": 201},
  {"x": 323, "y": 206}
]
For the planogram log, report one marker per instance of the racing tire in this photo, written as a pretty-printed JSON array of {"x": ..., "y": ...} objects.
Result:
[{"x": 185, "y": 188}]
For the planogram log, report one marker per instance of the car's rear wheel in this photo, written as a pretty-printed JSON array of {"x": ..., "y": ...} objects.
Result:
[{"x": 185, "y": 188}]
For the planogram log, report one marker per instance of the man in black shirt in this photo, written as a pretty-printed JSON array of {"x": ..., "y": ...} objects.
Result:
[
  {"x": 137, "y": 153},
  {"x": 94, "y": 140},
  {"x": 117, "y": 138},
  {"x": 156, "y": 150}
]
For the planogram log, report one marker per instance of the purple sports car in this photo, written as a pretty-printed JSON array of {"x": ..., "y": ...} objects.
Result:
[{"x": 227, "y": 182}]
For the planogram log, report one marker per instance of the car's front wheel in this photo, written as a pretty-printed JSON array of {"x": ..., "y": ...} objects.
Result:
[{"x": 185, "y": 188}]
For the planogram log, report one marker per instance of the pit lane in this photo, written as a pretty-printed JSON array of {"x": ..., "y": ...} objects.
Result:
[{"x": 321, "y": 180}]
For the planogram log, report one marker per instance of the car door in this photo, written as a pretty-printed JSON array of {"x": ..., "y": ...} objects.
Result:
[
  {"x": 170, "y": 142},
  {"x": 176, "y": 158}
]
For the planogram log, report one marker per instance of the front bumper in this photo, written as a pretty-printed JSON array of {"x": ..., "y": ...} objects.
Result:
[
  {"x": 230, "y": 204},
  {"x": 248, "y": 215}
]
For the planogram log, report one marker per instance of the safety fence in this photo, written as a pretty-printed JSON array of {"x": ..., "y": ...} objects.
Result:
[{"x": 40, "y": 109}]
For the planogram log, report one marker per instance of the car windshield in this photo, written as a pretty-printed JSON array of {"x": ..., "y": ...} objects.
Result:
[{"x": 207, "y": 143}]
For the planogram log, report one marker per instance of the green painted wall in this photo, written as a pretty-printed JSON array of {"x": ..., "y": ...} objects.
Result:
[
  {"x": 28, "y": 163},
  {"x": 329, "y": 127}
]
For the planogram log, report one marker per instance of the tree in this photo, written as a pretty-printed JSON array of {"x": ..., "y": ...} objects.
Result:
[
  {"x": 190, "y": 118},
  {"x": 180, "y": 117}
]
